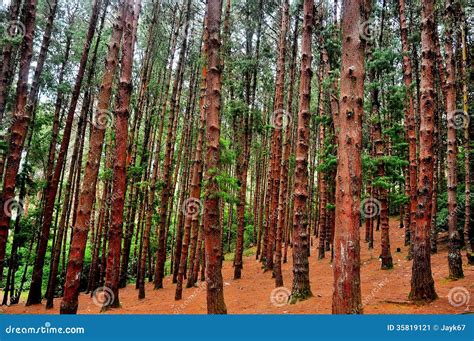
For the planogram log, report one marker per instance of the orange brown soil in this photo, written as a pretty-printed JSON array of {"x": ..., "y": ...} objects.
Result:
[{"x": 383, "y": 291}]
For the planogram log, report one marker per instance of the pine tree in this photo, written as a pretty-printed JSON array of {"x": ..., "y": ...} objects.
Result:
[
  {"x": 422, "y": 284},
  {"x": 348, "y": 123}
]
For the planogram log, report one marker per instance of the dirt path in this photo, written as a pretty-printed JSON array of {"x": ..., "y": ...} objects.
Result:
[{"x": 383, "y": 292}]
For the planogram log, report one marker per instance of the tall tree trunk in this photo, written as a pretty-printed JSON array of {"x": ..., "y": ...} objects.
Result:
[
  {"x": 211, "y": 218},
  {"x": 279, "y": 119},
  {"x": 121, "y": 114},
  {"x": 18, "y": 129},
  {"x": 195, "y": 194},
  {"x": 301, "y": 287},
  {"x": 422, "y": 284},
  {"x": 102, "y": 120},
  {"x": 347, "y": 294},
  {"x": 65, "y": 214}
]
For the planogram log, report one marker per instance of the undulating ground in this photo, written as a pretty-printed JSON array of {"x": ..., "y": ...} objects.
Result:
[{"x": 383, "y": 292}]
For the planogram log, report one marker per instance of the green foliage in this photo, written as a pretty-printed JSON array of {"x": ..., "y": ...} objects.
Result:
[
  {"x": 227, "y": 154},
  {"x": 383, "y": 60},
  {"x": 135, "y": 172}
]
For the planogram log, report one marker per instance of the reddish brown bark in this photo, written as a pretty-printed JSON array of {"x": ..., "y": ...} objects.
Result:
[
  {"x": 192, "y": 221},
  {"x": 183, "y": 235},
  {"x": 65, "y": 213},
  {"x": 211, "y": 218},
  {"x": 18, "y": 130},
  {"x": 9, "y": 66},
  {"x": 422, "y": 284},
  {"x": 279, "y": 119},
  {"x": 348, "y": 123},
  {"x": 301, "y": 287},
  {"x": 137, "y": 196},
  {"x": 73, "y": 190},
  {"x": 79, "y": 240},
  {"x": 121, "y": 114}
]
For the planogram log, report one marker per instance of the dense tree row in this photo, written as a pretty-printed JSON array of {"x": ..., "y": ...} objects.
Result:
[{"x": 155, "y": 137}]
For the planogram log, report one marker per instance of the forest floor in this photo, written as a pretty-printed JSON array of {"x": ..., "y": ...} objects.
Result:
[{"x": 383, "y": 291}]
